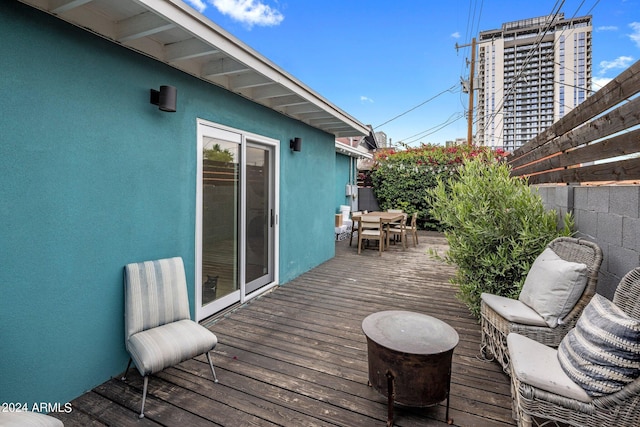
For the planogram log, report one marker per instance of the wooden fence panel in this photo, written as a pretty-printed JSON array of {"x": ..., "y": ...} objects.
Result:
[
  {"x": 580, "y": 146},
  {"x": 620, "y": 145},
  {"x": 622, "y": 170},
  {"x": 622, "y": 87}
]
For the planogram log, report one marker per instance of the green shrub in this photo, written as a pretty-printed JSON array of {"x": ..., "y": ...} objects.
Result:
[
  {"x": 495, "y": 226},
  {"x": 402, "y": 179}
]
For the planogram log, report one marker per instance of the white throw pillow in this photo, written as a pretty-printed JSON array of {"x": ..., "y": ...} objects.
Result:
[{"x": 553, "y": 286}]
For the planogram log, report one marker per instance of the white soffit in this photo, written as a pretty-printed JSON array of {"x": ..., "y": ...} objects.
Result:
[
  {"x": 351, "y": 151},
  {"x": 174, "y": 33}
]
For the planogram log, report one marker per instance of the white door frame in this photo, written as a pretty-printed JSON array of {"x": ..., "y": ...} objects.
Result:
[{"x": 205, "y": 127}]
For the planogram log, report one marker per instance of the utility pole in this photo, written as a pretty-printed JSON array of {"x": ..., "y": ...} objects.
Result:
[{"x": 471, "y": 76}]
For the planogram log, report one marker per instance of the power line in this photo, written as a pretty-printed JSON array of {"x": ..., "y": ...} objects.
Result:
[
  {"x": 434, "y": 129},
  {"x": 417, "y": 106}
]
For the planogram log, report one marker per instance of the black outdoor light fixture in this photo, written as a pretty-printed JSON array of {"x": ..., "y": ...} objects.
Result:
[
  {"x": 165, "y": 98},
  {"x": 295, "y": 144}
]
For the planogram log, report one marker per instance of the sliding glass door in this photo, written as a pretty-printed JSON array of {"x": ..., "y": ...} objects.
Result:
[
  {"x": 260, "y": 217},
  {"x": 236, "y": 217}
]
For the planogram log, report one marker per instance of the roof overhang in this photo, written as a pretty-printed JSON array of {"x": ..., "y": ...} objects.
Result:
[
  {"x": 351, "y": 151},
  {"x": 172, "y": 32}
]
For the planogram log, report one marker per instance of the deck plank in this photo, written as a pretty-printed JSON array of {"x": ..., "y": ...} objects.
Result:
[{"x": 297, "y": 356}]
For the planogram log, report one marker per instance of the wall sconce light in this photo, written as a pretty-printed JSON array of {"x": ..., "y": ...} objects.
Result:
[
  {"x": 295, "y": 144},
  {"x": 165, "y": 98}
]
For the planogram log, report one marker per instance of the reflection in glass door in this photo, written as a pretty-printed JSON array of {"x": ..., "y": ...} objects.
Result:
[
  {"x": 236, "y": 218},
  {"x": 259, "y": 218},
  {"x": 220, "y": 225}
]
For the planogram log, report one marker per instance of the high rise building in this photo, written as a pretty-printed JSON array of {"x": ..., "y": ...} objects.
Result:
[{"x": 530, "y": 74}]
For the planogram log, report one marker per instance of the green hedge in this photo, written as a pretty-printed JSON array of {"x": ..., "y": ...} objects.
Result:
[{"x": 402, "y": 179}]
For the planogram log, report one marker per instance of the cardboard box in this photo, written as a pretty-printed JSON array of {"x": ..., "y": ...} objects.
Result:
[{"x": 338, "y": 220}]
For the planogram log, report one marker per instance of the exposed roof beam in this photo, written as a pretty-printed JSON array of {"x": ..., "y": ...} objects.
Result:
[
  {"x": 271, "y": 91},
  {"x": 188, "y": 49},
  {"x": 222, "y": 66},
  {"x": 249, "y": 80},
  {"x": 324, "y": 122},
  {"x": 286, "y": 101},
  {"x": 61, "y": 6},
  {"x": 142, "y": 25},
  {"x": 307, "y": 107},
  {"x": 318, "y": 115},
  {"x": 337, "y": 128}
]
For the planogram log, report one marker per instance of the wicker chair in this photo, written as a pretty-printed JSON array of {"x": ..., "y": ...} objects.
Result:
[
  {"x": 533, "y": 406},
  {"x": 495, "y": 328}
]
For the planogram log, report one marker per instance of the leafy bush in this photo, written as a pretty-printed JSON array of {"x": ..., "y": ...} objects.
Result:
[
  {"x": 495, "y": 226},
  {"x": 402, "y": 179}
]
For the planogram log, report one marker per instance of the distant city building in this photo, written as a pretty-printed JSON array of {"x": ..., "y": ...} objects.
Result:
[
  {"x": 381, "y": 137},
  {"x": 531, "y": 73},
  {"x": 456, "y": 142}
]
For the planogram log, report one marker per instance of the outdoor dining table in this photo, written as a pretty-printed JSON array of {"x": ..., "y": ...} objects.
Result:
[{"x": 387, "y": 219}]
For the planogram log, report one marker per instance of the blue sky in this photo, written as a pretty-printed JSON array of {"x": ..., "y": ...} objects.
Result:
[{"x": 393, "y": 64}]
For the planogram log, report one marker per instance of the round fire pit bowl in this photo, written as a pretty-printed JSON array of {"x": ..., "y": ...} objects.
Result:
[{"x": 409, "y": 358}]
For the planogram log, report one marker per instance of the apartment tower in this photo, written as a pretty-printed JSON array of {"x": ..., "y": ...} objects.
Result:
[{"x": 530, "y": 74}]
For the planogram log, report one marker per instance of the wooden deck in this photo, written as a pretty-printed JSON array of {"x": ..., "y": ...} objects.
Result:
[{"x": 297, "y": 355}]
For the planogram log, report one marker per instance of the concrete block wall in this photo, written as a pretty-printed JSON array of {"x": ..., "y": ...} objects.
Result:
[{"x": 606, "y": 215}]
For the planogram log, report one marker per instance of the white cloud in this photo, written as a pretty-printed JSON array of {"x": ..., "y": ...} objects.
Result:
[
  {"x": 365, "y": 99},
  {"x": 635, "y": 36},
  {"x": 621, "y": 62},
  {"x": 198, "y": 5},
  {"x": 249, "y": 12},
  {"x": 607, "y": 28},
  {"x": 456, "y": 35},
  {"x": 598, "y": 83}
]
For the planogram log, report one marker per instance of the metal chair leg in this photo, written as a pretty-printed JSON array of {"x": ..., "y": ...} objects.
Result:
[
  {"x": 144, "y": 396},
  {"x": 126, "y": 371},
  {"x": 215, "y": 378}
]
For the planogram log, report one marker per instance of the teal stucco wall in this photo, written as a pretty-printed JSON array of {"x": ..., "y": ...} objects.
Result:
[
  {"x": 343, "y": 163},
  {"x": 93, "y": 176}
]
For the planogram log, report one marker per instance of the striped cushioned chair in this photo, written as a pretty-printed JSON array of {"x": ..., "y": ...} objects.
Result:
[{"x": 159, "y": 332}]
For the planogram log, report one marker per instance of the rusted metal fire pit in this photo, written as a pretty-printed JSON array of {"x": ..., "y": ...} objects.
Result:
[{"x": 409, "y": 358}]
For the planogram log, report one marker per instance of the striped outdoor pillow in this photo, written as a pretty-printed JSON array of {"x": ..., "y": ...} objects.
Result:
[{"x": 602, "y": 353}]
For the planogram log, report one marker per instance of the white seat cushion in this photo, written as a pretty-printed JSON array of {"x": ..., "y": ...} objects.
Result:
[
  {"x": 537, "y": 365},
  {"x": 513, "y": 310},
  {"x": 553, "y": 286},
  {"x": 28, "y": 419},
  {"x": 167, "y": 345}
]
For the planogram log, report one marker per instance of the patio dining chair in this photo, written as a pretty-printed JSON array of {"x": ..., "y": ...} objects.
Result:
[
  {"x": 354, "y": 224},
  {"x": 589, "y": 381},
  {"x": 411, "y": 228},
  {"x": 556, "y": 290},
  {"x": 371, "y": 230},
  {"x": 399, "y": 230},
  {"x": 159, "y": 332}
]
